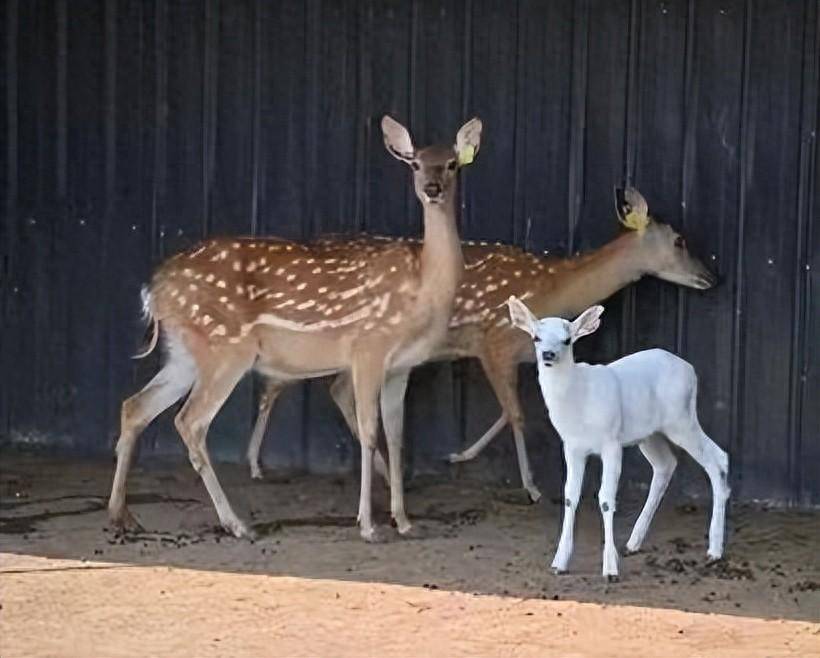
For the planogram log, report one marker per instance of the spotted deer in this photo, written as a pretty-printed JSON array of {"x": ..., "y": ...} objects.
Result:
[
  {"x": 551, "y": 286},
  {"x": 371, "y": 309}
]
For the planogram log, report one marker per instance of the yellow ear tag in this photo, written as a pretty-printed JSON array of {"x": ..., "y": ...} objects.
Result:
[
  {"x": 635, "y": 221},
  {"x": 466, "y": 155}
]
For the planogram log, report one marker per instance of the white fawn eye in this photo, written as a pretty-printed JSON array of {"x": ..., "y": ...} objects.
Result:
[
  {"x": 536, "y": 339},
  {"x": 567, "y": 341}
]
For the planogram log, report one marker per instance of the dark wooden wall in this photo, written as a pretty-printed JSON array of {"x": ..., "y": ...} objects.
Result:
[{"x": 131, "y": 128}]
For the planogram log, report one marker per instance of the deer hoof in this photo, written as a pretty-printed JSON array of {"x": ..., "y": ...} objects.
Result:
[
  {"x": 713, "y": 559},
  {"x": 456, "y": 457},
  {"x": 534, "y": 494},
  {"x": 514, "y": 496},
  {"x": 240, "y": 530},
  {"x": 414, "y": 532},
  {"x": 372, "y": 535},
  {"x": 631, "y": 549},
  {"x": 612, "y": 578},
  {"x": 126, "y": 521}
]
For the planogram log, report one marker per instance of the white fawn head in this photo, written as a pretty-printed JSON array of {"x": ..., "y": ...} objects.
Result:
[
  {"x": 553, "y": 337},
  {"x": 664, "y": 251},
  {"x": 434, "y": 167}
]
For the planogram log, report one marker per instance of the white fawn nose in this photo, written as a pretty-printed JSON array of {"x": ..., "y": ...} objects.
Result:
[{"x": 548, "y": 355}]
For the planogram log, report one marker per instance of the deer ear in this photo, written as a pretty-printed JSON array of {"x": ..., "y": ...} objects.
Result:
[
  {"x": 520, "y": 316},
  {"x": 632, "y": 209},
  {"x": 468, "y": 140},
  {"x": 586, "y": 323},
  {"x": 397, "y": 139}
]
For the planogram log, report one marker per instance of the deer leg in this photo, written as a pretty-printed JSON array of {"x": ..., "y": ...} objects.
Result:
[
  {"x": 367, "y": 379},
  {"x": 168, "y": 385},
  {"x": 473, "y": 451},
  {"x": 607, "y": 494},
  {"x": 715, "y": 462},
  {"x": 341, "y": 390},
  {"x": 576, "y": 464},
  {"x": 266, "y": 402},
  {"x": 663, "y": 462},
  {"x": 503, "y": 378},
  {"x": 392, "y": 406},
  {"x": 207, "y": 397}
]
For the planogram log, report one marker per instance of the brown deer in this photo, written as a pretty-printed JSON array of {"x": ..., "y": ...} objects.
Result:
[
  {"x": 365, "y": 307},
  {"x": 552, "y": 287}
]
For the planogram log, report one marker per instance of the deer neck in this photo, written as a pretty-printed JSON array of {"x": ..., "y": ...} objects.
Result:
[
  {"x": 441, "y": 264},
  {"x": 574, "y": 286},
  {"x": 556, "y": 380}
]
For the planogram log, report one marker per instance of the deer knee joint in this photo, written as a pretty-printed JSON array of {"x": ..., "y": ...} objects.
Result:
[
  {"x": 606, "y": 505},
  {"x": 196, "y": 459}
]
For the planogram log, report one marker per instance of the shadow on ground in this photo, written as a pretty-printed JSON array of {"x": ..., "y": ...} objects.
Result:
[{"x": 474, "y": 538}]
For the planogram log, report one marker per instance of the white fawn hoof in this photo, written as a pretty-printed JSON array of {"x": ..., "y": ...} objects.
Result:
[
  {"x": 456, "y": 457},
  {"x": 256, "y": 473},
  {"x": 610, "y": 566},
  {"x": 632, "y": 547},
  {"x": 613, "y": 578},
  {"x": 559, "y": 567}
]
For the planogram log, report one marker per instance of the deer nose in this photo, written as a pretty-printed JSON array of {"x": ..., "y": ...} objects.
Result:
[
  {"x": 432, "y": 190},
  {"x": 548, "y": 355}
]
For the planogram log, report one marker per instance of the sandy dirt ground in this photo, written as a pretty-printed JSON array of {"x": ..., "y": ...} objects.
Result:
[{"x": 476, "y": 581}]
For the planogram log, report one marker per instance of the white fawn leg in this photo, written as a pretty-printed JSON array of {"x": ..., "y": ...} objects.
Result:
[
  {"x": 576, "y": 464},
  {"x": 715, "y": 462},
  {"x": 663, "y": 462},
  {"x": 266, "y": 402},
  {"x": 611, "y": 455},
  {"x": 392, "y": 406},
  {"x": 167, "y": 386}
]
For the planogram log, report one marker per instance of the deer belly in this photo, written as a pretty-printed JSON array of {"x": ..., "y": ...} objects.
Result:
[
  {"x": 411, "y": 354},
  {"x": 287, "y": 355}
]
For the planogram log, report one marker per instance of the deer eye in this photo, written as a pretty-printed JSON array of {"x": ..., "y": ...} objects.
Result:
[
  {"x": 451, "y": 165},
  {"x": 567, "y": 341},
  {"x": 415, "y": 165},
  {"x": 680, "y": 243},
  {"x": 536, "y": 339}
]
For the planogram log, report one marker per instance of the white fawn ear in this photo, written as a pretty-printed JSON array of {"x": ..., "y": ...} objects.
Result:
[
  {"x": 632, "y": 209},
  {"x": 397, "y": 139},
  {"x": 586, "y": 323},
  {"x": 468, "y": 140},
  {"x": 520, "y": 316}
]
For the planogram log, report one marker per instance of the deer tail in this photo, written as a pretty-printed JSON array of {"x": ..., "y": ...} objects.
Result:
[{"x": 148, "y": 316}]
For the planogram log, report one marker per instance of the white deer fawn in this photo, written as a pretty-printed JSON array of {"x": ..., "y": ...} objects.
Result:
[
  {"x": 643, "y": 399},
  {"x": 552, "y": 286},
  {"x": 370, "y": 308}
]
